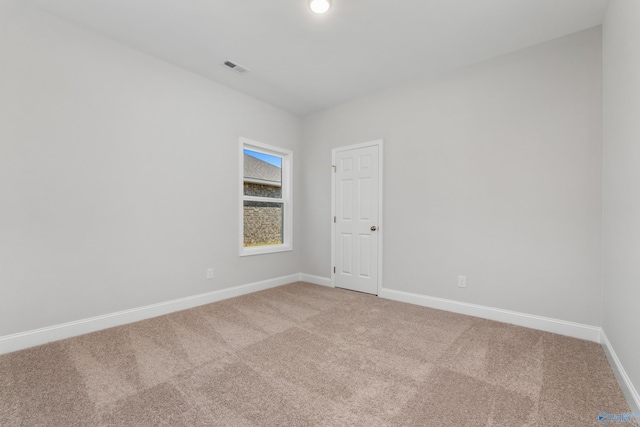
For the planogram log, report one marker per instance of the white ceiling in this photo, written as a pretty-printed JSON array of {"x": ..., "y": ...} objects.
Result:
[{"x": 302, "y": 62}]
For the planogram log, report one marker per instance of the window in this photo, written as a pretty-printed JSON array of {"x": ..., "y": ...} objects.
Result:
[{"x": 265, "y": 201}]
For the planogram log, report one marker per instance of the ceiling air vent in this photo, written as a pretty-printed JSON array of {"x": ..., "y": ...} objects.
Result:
[{"x": 235, "y": 67}]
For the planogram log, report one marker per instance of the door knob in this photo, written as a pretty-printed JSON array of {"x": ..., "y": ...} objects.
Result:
[{"x": 373, "y": 228}]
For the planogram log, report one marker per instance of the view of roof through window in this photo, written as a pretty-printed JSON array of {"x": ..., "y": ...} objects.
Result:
[
  {"x": 274, "y": 160},
  {"x": 261, "y": 168}
]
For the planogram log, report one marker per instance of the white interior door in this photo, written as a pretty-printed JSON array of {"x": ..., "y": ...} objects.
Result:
[{"x": 357, "y": 214}]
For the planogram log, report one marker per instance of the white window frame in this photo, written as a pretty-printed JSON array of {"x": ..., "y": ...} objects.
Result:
[{"x": 286, "y": 199}]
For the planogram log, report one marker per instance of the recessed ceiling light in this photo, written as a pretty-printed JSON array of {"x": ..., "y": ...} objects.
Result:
[{"x": 319, "y": 6}]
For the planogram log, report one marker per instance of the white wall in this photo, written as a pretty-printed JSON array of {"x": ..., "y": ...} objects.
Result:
[
  {"x": 492, "y": 171},
  {"x": 117, "y": 176},
  {"x": 621, "y": 189},
  {"x": 116, "y": 172}
]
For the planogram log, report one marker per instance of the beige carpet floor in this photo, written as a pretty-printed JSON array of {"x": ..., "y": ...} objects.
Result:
[{"x": 305, "y": 355}]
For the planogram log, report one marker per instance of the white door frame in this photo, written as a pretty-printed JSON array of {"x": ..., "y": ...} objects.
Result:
[{"x": 380, "y": 144}]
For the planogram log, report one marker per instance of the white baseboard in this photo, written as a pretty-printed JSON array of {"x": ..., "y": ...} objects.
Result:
[
  {"x": 562, "y": 327},
  {"x": 14, "y": 342},
  {"x": 630, "y": 392},
  {"x": 22, "y": 340},
  {"x": 316, "y": 280}
]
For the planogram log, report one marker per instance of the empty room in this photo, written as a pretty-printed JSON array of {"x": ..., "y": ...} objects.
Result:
[{"x": 319, "y": 212}]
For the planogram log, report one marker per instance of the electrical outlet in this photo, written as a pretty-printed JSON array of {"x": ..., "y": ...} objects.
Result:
[
  {"x": 462, "y": 281},
  {"x": 209, "y": 273}
]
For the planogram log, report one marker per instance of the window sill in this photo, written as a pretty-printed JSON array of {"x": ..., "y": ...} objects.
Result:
[{"x": 260, "y": 250}]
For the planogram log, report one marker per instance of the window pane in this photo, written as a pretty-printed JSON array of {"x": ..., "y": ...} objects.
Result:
[
  {"x": 261, "y": 190},
  {"x": 262, "y": 175},
  {"x": 263, "y": 223}
]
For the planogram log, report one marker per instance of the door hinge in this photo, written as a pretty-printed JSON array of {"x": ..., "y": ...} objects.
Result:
[
  {"x": 334, "y": 269},
  {"x": 334, "y": 219},
  {"x": 334, "y": 168}
]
